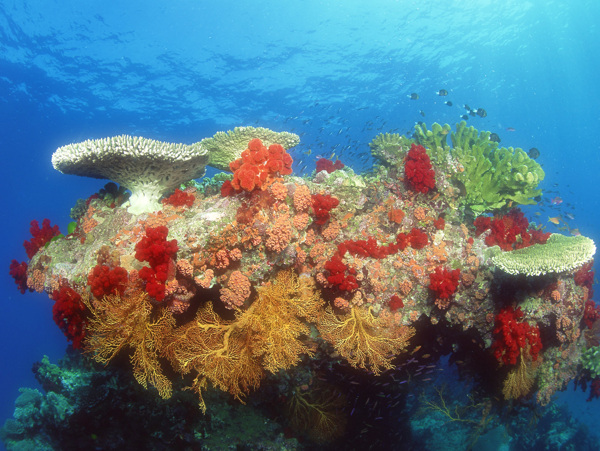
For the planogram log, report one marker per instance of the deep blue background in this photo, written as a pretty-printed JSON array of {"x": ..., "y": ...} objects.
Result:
[{"x": 336, "y": 72}]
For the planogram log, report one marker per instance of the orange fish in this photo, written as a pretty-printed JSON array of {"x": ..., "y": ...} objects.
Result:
[{"x": 554, "y": 220}]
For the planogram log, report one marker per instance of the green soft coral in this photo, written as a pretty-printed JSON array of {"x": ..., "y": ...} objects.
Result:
[
  {"x": 390, "y": 148},
  {"x": 590, "y": 360},
  {"x": 493, "y": 177},
  {"x": 434, "y": 140}
]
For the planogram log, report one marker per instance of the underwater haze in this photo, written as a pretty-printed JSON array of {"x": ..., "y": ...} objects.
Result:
[{"x": 337, "y": 74}]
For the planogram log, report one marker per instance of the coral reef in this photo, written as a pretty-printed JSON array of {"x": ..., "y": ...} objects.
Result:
[{"x": 266, "y": 282}]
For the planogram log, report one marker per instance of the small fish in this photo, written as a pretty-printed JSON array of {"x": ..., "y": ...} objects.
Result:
[
  {"x": 422, "y": 113},
  {"x": 465, "y": 117},
  {"x": 533, "y": 153},
  {"x": 442, "y": 92},
  {"x": 554, "y": 220},
  {"x": 495, "y": 138},
  {"x": 575, "y": 232},
  {"x": 467, "y": 107},
  {"x": 556, "y": 201},
  {"x": 308, "y": 152},
  {"x": 510, "y": 129},
  {"x": 414, "y": 96},
  {"x": 481, "y": 112},
  {"x": 537, "y": 213},
  {"x": 570, "y": 216},
  {"x": 448, "y": 103}
]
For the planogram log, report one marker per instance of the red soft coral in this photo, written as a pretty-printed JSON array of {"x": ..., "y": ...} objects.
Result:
[
  {"x": 323, "y": 164},
  {"x": 395, "y": 303},
  {"x": 156, "y": 250},
  {"x": 68, "y": 314},
  {"x": 443, "y": 282},
  {"x": 417, "y": 239},
  {"x": 418, "y": 171},
  {"x": 103, "y": 280},
  {"x": 322, "y": 205},
  {"x": 513, "y": 335},
  {"x": 18, "y": 271},
  {"x": 584, "y": 277},
  {"x": 180, "y": 199},
  {"x": 257, "y": 165},
  {"x": 338, "y": 277},
  {"x": 39, "y": 237},
  {"x": 510, "y": 231}
]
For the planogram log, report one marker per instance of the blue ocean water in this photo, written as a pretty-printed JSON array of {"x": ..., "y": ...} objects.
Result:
[{"x": 335, "y": 73}]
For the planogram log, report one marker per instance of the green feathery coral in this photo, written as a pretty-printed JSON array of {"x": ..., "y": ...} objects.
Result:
[
  {"x": 590, "y": 360},
  {"x": 559, "y": 254},
  {"x": 225, "y": 147}
]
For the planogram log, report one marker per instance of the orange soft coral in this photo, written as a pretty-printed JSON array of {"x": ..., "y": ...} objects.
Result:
[{"x": 258, "y": 164}]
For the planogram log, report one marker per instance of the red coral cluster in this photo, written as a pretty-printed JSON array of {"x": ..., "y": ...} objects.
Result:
[
  {"x": 395, "y": 303},
  {"x": 510, "y": 231},
  {"x": 39, "y": 237},
  {"x": 323, "y": 164},
  {"x": 340, "y": 275},
  {"x": 444, "y": 282},
  {"x": 180, "y": 199},
  {"x": 156, "y": 250},
  {"x": 584, "y": 277},
  {"x": 18, "y": 271},
  {"x": 322, "y": 204},
  {"x": 366, "y": 248},
  {"x": 256, "y": 166},
  {"x": 103, "y": 280},
  {"x": 418, "y": 171},
  {"x": 68, "y": 314},
  {"x": 591, "y": 313},
  {"x": 512, "y": 335},
  {"x": 416, "y": 238}
]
